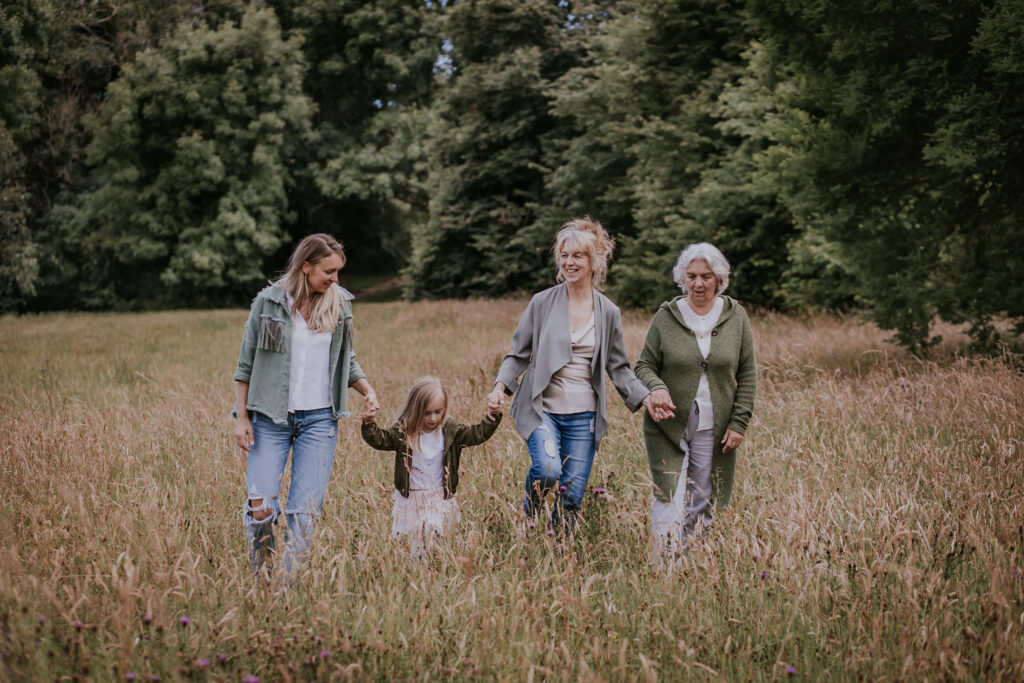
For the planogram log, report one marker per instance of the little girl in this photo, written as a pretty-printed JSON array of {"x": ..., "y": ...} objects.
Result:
[{"x": 427, "y": 447}]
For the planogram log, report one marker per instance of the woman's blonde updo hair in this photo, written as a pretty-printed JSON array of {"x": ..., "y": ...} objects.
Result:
[
  {"x": 325, "y": 310},
  {"x": 587, "y": 234}
]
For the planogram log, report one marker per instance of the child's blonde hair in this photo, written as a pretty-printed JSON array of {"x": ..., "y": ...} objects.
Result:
[{"x": 424, "y": 390}]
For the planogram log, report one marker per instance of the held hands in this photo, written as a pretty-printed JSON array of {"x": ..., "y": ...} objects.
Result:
[
  {"x": 659, "y": 405},
  {"x": 370, "y": 408},
  {"x": 496, "y": 400},
  {"x": 731, "y": 440}
]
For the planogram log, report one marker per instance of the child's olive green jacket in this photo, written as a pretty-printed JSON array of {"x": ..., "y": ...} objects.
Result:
[
  {"x": 264, "y": 360},
  {"x": 671, "y": 359},
  {"x": 456, "y": 437}
]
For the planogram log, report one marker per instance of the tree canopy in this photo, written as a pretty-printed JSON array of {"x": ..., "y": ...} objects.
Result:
[{"x": 860, "y": 155}]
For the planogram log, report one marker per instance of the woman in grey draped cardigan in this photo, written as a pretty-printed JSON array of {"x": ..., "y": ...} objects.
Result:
[{"x": 568, "y": 337}]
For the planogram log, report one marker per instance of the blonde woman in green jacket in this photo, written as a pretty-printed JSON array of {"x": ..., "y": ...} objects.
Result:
[
  {"x": 699, "y": 351},
  {"x": 295, "y": 367}
]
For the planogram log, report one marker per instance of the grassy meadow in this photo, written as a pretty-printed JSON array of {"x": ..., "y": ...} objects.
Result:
[{"x": 876, "y": 528}]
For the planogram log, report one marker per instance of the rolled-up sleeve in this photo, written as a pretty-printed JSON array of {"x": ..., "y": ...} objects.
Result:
[{"x": 247, "y": 352}]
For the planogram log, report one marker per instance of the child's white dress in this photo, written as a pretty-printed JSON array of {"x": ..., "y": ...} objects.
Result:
[{"x": 426, "y": 513}]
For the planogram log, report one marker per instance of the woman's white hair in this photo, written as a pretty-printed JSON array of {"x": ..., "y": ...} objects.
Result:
[{"x": 702, "y": 251}]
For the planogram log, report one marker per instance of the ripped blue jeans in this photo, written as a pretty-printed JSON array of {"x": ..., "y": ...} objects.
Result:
[
  {"x": 561, "y": 455},
  {"x": 311, "y": 436}
]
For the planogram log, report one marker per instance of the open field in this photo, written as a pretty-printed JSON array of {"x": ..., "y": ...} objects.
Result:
[{"x": 876, "y": 529}]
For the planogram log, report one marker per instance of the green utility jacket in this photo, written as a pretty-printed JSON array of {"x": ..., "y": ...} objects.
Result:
[
  {"x": 672, "y": 360},
  {"x": 264, "y": 360},
  {"x": 456, "y": 437}
]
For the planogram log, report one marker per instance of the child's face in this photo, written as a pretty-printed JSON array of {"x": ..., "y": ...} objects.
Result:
[{"x": 434, "y": 414}]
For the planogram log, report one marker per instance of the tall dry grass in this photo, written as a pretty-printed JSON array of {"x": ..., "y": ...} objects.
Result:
[{"x": 875, "y": 532}]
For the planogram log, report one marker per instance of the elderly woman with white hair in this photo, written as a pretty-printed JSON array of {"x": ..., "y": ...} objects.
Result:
[
  {"x": 569, "y": 336},
  {"x": 699, "y": 351}
]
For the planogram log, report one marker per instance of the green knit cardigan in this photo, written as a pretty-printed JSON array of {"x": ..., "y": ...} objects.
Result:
[{"x": 672, "y": 360}]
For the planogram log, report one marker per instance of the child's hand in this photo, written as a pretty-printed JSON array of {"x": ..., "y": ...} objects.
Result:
[
  {"x": 493, "y": 411},
  {"x": 369, "y": 414}
]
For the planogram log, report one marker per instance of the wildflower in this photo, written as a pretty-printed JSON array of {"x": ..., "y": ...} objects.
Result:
[
  {"x": 531, "y": 524},
  {"x": 148, "y": 619},
  {"x": 221, "y": 658},
  {"x": 790, "y": 670},
  {"x": 184, "y": 621},
  {"x": 250, "y": 679},
  {"x": 599, "y": 491},
  {"x": 130, "y": 676},
  {"x": 551, "y": 532},
  {"x": 42, "y": 619},
  {"x": 325, "y": 654},
  {"x": 203, "y": 663},
  {"x": 78, "y": 625},
  {"x": 763, "y": 575},
  {"x": 154, "y": 678},
  {"x": 562, "y": 488}
]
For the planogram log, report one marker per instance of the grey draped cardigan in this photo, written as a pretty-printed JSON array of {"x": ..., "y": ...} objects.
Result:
[{"x": 542, "y": 344}]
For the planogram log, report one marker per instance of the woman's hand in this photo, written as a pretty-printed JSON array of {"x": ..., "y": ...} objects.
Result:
[
  {"x": 496, "y": 399},
  {"x": 731, "y": 440},
  {"x": 243, "y": 433},
  {"x": 659, "y": 405},
  {"x": 370, "y": 407}
]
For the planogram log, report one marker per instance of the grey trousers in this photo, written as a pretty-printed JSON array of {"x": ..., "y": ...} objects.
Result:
[{"x": 673, "y": 524}]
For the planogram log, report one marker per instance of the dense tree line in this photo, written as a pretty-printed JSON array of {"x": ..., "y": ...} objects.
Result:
[{"x": 843, "y": 155}]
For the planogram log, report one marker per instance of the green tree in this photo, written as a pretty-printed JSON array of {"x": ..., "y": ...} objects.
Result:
[
  {"x": 645, "y": 107},
  {"x": 488, "y": 171},
  {"x": 903, "y": 152},
  {"x": 192, "y": 154},
  {"x": 371, "y": 75}
]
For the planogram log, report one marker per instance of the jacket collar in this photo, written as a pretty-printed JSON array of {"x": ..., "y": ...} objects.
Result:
[
  {"x": 672, "y": 307},
  {"x": 275, "y": 292}
]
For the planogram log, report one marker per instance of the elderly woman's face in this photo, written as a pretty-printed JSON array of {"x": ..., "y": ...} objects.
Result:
[{"x": 701, "y": 282}]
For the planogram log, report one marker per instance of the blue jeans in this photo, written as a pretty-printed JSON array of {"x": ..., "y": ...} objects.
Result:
[
  {"x": 561, "y": 455},
  {"x": 311, "y": 436}
]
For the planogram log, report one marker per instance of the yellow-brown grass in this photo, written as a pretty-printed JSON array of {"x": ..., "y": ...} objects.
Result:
[{"x": 875, "y": 531}]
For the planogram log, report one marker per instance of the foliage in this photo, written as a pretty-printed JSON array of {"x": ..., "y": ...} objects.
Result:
[
  {"x": 193, "y": 154},
  {"x": 903, "y": 152},
  {"x": 494, "y": 124},
  {"x": 370, "y": 74}
]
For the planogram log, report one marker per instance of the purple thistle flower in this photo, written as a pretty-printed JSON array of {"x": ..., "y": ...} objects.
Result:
[
  {"x": 532, "y": 524},
  {"x": 790, "y": 670},
  {"x": 130, "y": 676},
  {"x": 763, "y": 575},
  {"x": 148, "y": 618},
  {"x": 551, "y": 532},
  {"x": 562, "y": 488},
  {"x": 599, "y": 491},
  {"x": 250, "y": 679},
  {"x": 221, "y": 658},
  {"x": 154, "y": 677},
  {"x": 184, "y": 621},
  {"x": 78, "y": 625},
  {"x": 42, "y": 619},
  {"x": 203, "y": 663},
  {"x": 325, "y": 654}
]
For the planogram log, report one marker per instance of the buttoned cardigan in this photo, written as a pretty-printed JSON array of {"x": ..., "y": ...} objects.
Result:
[{"x": 671, "y": 359}]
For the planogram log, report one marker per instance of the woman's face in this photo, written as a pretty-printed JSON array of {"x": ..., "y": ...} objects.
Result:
[
  {"x": 434, "y": 414},
  {"x": 701, "y": 282},
  {"x": 321, "y": 275},
  {"x": 574, "y": 262}
]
